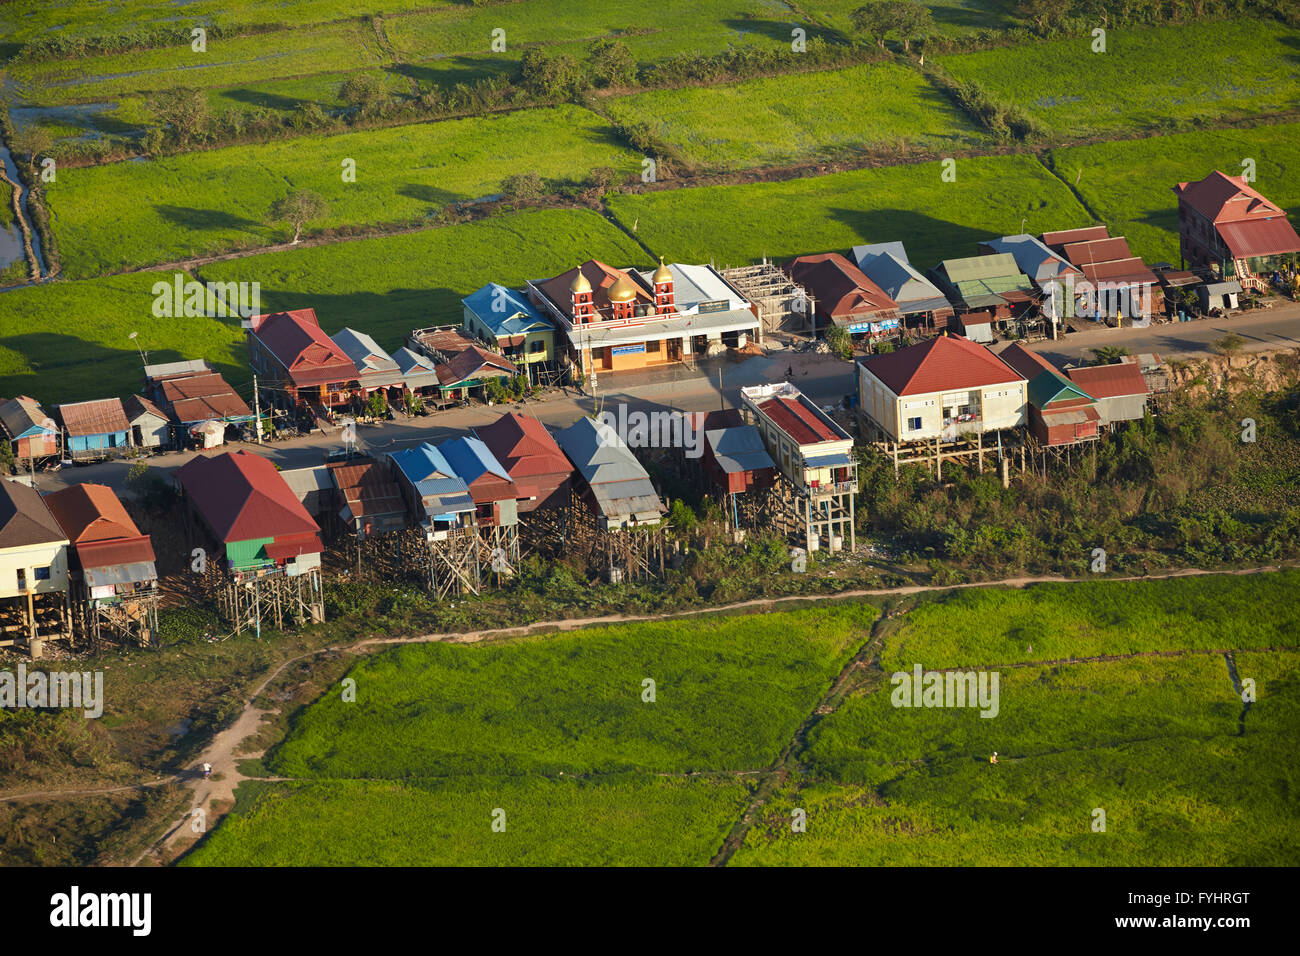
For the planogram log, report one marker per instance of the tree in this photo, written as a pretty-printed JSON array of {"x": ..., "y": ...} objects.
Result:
[
  {"x": 1108, "y": 354},
  {"x": 873, "y": 22},
  {"x": 550, "y": 76},
  {"x": 33, "y": 142},
  {"x": 611, "y": 63},
  {"x": 912, "y": 20},
  {"x": 840, "y": 342},
  {"x": 364, "y": 93},
  {"x": 184, "y": 111},
  {"x": 298, "y": 208},
  {"x": 377, "y": 405},
  {"x": 1044, "y": 14},
  {"x": 523, "y": 187}
]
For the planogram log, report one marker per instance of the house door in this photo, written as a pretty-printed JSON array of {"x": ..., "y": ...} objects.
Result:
[
  {"x": 674, "y": 350},
  {"x": 137, "y": 438}
]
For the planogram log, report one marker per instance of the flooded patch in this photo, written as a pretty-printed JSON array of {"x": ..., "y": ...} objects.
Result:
[
  {"x": 81, "y": 115},
  {"x": 11, "y": 171}
]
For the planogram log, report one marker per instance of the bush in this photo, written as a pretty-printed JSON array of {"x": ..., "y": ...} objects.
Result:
[{"x": 523, "y": 187}]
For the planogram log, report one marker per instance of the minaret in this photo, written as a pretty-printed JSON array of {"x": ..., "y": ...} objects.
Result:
[
  {"x": 622, "y": 297},
  {"x": 583, "y": 311},
  {"x": 663, "y": 282}
]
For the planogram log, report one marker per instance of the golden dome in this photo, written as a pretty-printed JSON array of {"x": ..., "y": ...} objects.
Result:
[
  {"x": 580, "y": 283},
  {"x": 662, "y": 274},
  {"x": 624, "y": 290}
]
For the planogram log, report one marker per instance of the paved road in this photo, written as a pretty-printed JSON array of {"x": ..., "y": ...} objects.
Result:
[
  {"x": 823, "y": 378},
  {"x": 1274, "y": 328}
]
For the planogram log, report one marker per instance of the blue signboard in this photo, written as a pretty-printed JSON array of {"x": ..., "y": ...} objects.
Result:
[{"x": 627, "y": 349}]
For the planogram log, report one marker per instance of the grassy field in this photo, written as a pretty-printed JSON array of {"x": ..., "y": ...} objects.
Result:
[
  {"x": 24, "y": 20},
  {"x": 1079, "y": 620},
  {"x": 811, "y": 116},
  {"x": 132, "y": 214},
  {"x": 1128, "y": 184},
  {"x": 729, "y": 693},
  {"x": 627, "y": 820},
  {"x": 951, "y": 17},
  {"x": 1185, "y": 773},
  {"x": 67, "y": 341},
  {"x": 732, "y": 225},
  {"x": 232, "y": 61},
  {"x": 552, "y": 731},
  {"x": 1148, "y": 78}
]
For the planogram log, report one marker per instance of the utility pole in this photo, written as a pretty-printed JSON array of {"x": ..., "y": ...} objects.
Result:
[{"x": 257, "y": 411}]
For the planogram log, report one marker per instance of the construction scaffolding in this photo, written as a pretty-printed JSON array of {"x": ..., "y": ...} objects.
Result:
[
  {"x": 783, "y": 305},
  {"x": 31, "y": 620},
  {"x": 620, "y": 554},
  {"x": 129, "y": 619},
  {"x": 270, "y": 597}
]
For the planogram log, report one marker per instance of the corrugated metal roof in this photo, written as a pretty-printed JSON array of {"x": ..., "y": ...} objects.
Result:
[
  {"x": 841, "y": 289},
  {"x": 102, "y": 417},
  {"x": 946, "y": 363},
  {"x": 739, "y": 449},
  {"x": 433, "y": 479},
  {"x": 905, "y": 285},
  {"x": 25, "y": 519},
  {"x": 23, "y": 417},
  {"x": 1110, "y": 381},
  {"x": 1259, "y": 237},
  {"x": 1223, "y": 198},
  {"x": 417, "y": 370},
  {"x": 619, "y": 485},
  {"x": 137, "y": 407},
  {"x": 297, "y": 341},
  {"x": 242, "y": 497},
  {"x": 474, "y": 363},
  {"x": 505, "y": 311},
  {"x": 523, "y": 446},
  {"x": 375, "y": 366},
  {"x": 1032, "y": 257},
  {"x": 471, "y": 459}
]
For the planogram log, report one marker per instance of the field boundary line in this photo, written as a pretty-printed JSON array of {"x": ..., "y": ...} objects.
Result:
[{"x": 779, "y": 771}]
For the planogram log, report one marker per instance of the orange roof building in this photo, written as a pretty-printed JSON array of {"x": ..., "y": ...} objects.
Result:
[{"x": 1227, "y": 225}]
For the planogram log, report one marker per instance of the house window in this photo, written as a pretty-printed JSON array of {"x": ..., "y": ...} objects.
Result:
[
  {"x": 41, "y": 574},
  {"x": 537, "y": 346},
  {"x": 914, "y": 424},
  {"x": 22, "y": 579},
  {"x": 652, "y": 346}
]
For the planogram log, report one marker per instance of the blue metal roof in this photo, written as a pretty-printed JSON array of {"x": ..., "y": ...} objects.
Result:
[
  {"x": 470, "y": 459},
  {"x": 505, "y": 311},
  {"x": 432, "y": 476}
]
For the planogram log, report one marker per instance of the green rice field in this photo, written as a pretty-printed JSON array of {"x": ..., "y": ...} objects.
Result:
[
  {"x": 809, "y": 116},
  {"x": 1129, "y": 183},
  {"x": 129, "y": 214},
  {"x": 734, "y": 225},
  {"x": 548, "y": 734},
  {"x": 67, "y": 340},
  {"x": 1148, "y": 78}
]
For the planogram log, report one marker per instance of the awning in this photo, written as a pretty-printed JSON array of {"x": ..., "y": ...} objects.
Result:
[
  {"x": 293, "y": 547},
  {"x": 829, "y": 461},
  {"x": 510, "y": 341},
  {"x": 116, "y": 574},
  {"x": 1259, "y": 237},
  {"x": 1231, "y": 287}
]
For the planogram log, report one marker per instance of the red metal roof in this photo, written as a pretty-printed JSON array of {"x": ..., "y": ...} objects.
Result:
[
  {"x": 524, "y": 447},
  {"x": 1259, "y": 237},
  {"x": 1223, "y": 198},
  {"x": 1119, "y": 270},
  {"x": 282, "y": 549},
  {"x": 1109, "y": 381},
  {"x": 367, "y": 487},
  {"x": 797, "y": 421},
  {"x": 102, "y": 417},
  {"x": 242, "y": 497},
  {"x": 471, "y": 364},
  {"x": 101, "y": 532},
  {"x": 1084, "y": 234},
  {"x": 942, "y": 364},
  {"x": 840, "y": 288},
  {"x": 1097, "y": 250},
  {"x": 301, "y": 346}
]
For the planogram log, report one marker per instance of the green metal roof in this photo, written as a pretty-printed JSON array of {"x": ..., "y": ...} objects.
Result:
[{"x": 1049, "y": 387}]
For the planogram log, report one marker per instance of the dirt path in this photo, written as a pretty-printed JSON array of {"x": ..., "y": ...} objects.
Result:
[{"x": 215, "y": 796}]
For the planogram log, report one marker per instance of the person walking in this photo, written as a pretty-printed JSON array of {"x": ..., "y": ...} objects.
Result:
[{"x": 207, "y": 770}]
